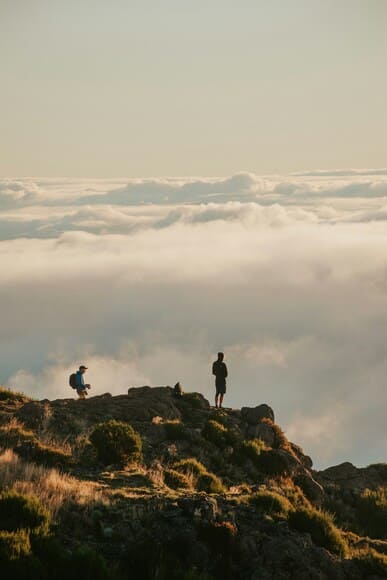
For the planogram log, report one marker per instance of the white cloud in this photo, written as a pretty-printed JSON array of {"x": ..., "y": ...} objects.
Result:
[{"x": 291, "y": 286}]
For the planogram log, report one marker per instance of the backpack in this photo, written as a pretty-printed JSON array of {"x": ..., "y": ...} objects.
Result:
[{"x": 73, "y": 380}]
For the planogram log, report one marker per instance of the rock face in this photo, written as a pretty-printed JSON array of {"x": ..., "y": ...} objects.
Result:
[
  {"x": 262, "y": 431},
  {"x": 347, "y": 476},
  {"x": 252, "y": 415},
  {"x": 141, "y": 404}
]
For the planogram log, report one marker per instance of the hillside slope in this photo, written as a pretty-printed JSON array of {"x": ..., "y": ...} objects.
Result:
[{"x": 186, "y": 492}]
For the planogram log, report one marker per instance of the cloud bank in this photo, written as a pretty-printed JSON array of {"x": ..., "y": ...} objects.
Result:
[{"x": 145, "y": 280}]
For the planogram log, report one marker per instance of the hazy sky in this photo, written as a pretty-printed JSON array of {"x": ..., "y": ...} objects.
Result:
[{"x": 191, "y": 87}]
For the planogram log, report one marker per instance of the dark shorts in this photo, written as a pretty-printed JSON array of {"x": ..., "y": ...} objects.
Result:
[{"x": 220, "y": 387}]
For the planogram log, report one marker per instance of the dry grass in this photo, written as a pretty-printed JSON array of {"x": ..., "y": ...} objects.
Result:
[
  {"x": 6, "y": 394},
  {"x": 50, "y": 486}
]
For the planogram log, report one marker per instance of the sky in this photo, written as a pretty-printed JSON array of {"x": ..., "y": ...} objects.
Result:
[
  {"x": 179, "y": 178},
  {"x": 143, "y": 88}
]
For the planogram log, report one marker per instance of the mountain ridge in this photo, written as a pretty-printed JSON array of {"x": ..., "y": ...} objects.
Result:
[{"x": 204, "y": 493}]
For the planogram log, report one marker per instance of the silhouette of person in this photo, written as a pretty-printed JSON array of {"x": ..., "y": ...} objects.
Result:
[
  {"x": 219, "y": 369},
  {"x": 80, "y": 383}
]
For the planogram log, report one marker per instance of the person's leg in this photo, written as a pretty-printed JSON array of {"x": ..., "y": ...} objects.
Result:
[
  {"x": 216, "y": 399},
  {"x": 82, "y": 394},
  {"x": 220, "y": 400}
]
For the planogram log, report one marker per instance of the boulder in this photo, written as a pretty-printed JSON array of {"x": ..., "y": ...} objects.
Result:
[
  {"x": 311, "y": 488},
  {"x": 293, "y": 464},
  {"x": 305, "y": 459},
  {"x": 253, "y": 415},
  {"x": 262, "y": 431}
]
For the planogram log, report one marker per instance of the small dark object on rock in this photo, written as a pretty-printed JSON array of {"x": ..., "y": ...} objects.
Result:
[{"x": 178, "y": 390}]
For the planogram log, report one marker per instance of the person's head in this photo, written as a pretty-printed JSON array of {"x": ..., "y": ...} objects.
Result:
[
  {"x": 220, "y": 356},
  {"x": 82, "y": 369}
]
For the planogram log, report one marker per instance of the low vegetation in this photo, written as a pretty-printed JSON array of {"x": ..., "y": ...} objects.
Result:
[
  {"x": 269, "y": 502},
  {"x": 199, "y": 476},
  {"x": 53, "y": 488},
  {"x": 19, "y": 510},
  {"x": 271, "y": 462},
  {"x": 27, "y": 445},
  {"x": 9, "y": 396},
  {"x": 175, "y": 430},
  {"x": 250, "y": 449},
  {"x": 176, "y": 480},
  {"x": 372, "y": 562},
  {"x": 116, "y": 442},
  {"x": 191, "y": 467},
  {"x": 320, "y": 526},
  {"x": 210, "y": 483},
  {"x": 371, "y": 512}
]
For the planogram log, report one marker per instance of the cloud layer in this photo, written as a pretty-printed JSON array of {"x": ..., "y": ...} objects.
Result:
[{"x": 145, "y": 280}]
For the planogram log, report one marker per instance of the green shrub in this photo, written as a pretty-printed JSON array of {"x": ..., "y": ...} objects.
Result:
[
  {"x": 210, "y": 483},
  {"x": 175, "y": 430},
  {"x": 271, "y": 462},
  {"x": 271, "y": 502},
  {"x": 19, "y": 511},
  {"x": 175, "y": 480},
  {"x": 116, "y": 442},
  {"x": 215, "y": 432},
  {"x": 320, "y": 526},
  {"x": 190, "y": 466},
  {"x": 372, "y": 563},
  {"x": 251, "y": 449},
  {"x": 14, "y": 545}
]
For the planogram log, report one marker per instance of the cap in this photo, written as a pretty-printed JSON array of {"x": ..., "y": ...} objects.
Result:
[{"x": 83, "y": 367}]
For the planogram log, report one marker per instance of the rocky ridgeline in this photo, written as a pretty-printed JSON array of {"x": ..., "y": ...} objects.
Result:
[{"x": 244, "y": 523}]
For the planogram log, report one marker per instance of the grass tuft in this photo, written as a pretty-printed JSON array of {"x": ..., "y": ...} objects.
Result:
[{"x": 320, "y": 526}]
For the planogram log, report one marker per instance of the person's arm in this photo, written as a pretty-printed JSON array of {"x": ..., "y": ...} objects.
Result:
[
  {"x": 213, "y": 369},
  {"x": 225, "y": 371},
  {"x": 78, "y": 380}
]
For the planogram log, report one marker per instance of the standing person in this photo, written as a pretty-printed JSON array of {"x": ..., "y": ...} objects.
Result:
[
  {"x": 80, "y": 385},
  {"x": 219, "y": 369}
]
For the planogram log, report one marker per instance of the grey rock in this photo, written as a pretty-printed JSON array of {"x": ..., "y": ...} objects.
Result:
[
  {"x": 253, "y": 415},
  {"x": 262, "y": 431}
]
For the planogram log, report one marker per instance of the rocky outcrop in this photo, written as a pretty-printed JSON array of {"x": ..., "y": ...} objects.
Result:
[
  {"x": 252, "y": 415},
  {"x": 140, "y": 404},
  {"x": 347, "y": 476},
  {"x": 222, "y": 532}
]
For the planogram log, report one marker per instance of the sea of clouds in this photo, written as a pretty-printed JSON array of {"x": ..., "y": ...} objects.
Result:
[{"x": 144, "y": 280}]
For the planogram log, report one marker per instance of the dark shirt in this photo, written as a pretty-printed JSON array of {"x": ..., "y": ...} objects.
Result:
[{"x": 219, "y": 369}]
